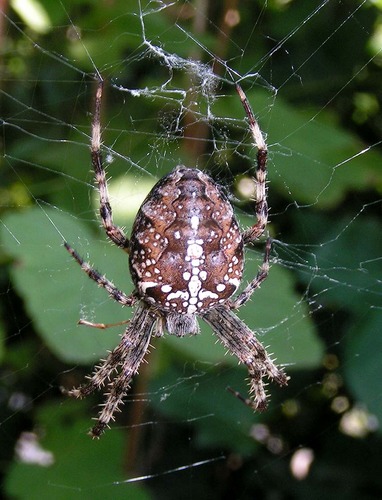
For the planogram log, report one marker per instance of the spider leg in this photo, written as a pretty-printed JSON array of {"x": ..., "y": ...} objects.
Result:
[
  {"x": 114, "y": 232},
  {"x": 261, "y": 275},
  {"x": 242, "y": 342},
  {"x": 140, "y": 332},
  {"x": 128, "y": 354},
  {"x": 100, "y": 375},
  {"x": 254, "y": 232},
  {"x": 115, "y": 294}
]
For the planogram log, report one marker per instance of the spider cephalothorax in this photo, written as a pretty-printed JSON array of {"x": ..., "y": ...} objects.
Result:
[{"x": 186, "y": 260}]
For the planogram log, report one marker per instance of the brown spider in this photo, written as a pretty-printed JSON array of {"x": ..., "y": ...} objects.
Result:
[{"x": 186, "y": 256}]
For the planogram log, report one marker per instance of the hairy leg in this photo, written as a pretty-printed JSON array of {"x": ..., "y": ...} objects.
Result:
[
  {"x": 242, "y": 342},
  {"x": 132, "y": 336}
]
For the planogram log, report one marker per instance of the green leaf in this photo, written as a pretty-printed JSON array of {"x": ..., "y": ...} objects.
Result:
[
  {"x": 348, "y": 267},
  {"x": 57, "y": 293}
]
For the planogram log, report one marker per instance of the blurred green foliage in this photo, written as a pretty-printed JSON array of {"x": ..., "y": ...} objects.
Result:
[{"x": 320, "y": 309}]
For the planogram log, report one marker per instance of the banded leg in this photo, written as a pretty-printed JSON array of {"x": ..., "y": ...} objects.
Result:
[
  {"x": 254, "y": 232},
  {"x": 132, "y": 359},
  {"x": 114, "y": 232},
  {"x": 125, "y": 359},
  {"x": 242, "y": 342}
]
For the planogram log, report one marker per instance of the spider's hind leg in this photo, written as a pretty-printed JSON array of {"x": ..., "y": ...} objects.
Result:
[
  {"x": 126, "y": 358},
  {"x": 242, "y": 342},
  {"x": 99, "y": 377},
  {"x": 138, "y": 336}
]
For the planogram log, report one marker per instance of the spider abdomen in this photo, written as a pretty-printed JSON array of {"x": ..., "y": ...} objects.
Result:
[{"x": 186, "y": 250}]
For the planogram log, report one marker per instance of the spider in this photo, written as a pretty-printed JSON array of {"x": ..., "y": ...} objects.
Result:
[{"x": 186, "y": 258}]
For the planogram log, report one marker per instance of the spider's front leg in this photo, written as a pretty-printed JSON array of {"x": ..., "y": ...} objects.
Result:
[
  {"x": 254, "y": 232},
  {"x": 115, "y": 233},
  {"x": 242, "y": 342}
]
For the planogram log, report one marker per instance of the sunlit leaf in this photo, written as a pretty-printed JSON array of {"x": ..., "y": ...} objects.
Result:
[{"x": 55, "y": 290}]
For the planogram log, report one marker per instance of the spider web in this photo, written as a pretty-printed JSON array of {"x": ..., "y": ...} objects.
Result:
[{"x": 170, "y": 70}]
